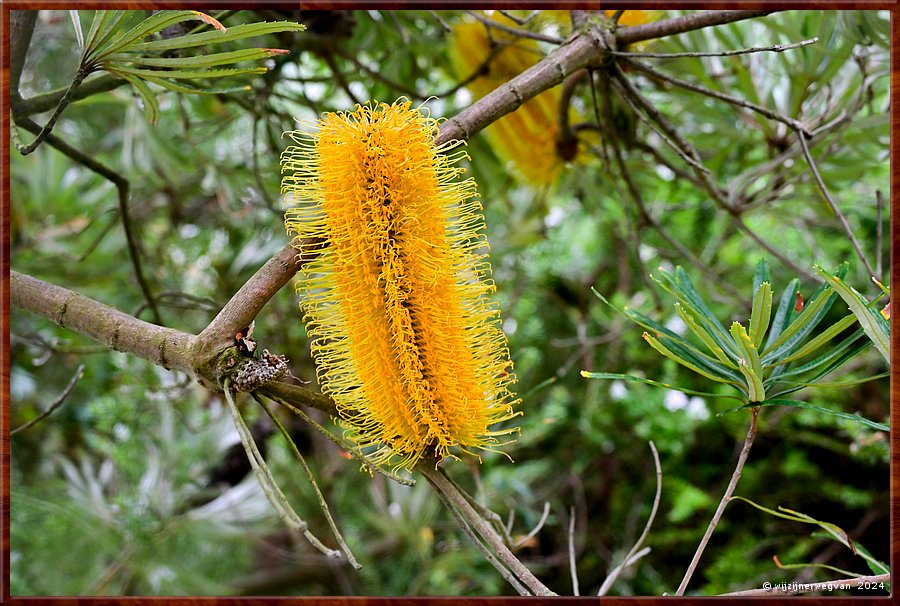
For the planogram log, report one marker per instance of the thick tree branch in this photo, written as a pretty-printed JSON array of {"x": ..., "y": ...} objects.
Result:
[{"x": 164, "y": 347}]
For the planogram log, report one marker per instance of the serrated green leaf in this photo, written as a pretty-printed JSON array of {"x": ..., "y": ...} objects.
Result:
[
  {"x": 611, "y": 375},
  {"x": 238, "y": 32},
  {"x": 190, "y": 90},
  {"x": 872, "y": 322},
  {"x": 151, "y": 105},
  {"x": 703, "y": 335},
  {"x": 846, "y": 383},
  {"x": 760, "y": 275},
  {"x": 148, "y": 26},
  {"x": 761, "y": 313},
  {"x": 655, "y": 344},
  {"x": 685, "y": 350},
  {"x": 783, "y": 314},
  {"x": 684, "y": 292},
  {"x": 821, "y": 339},
  {"x": 107, "y": 23},
  {"x": 212, "y": 60},
  {"x": 799, "y": 329},
  {"x": 182, "y": 74},
  {"x": 828, "y": 411}
]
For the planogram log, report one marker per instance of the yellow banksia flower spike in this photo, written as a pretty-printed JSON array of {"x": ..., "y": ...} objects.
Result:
[
  {"x": 405, "y": 338},
  {"x": 528, "y": 136}
]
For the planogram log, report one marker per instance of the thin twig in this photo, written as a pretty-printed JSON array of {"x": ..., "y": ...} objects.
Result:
[
  {"x": 267, "y": 481},
  {"x": 504, "y": 571},
  {"x": 830, "y": 586},
  {"x": 739, "y": 468},
  {"x": 323, "y": 504},
  {"x": 350, "y": 448},
  {"x": 572, "y": 570},
  {"x": 63, "y": 103},
  {"x": 519, "y": 33},
  {"x": 823, "y": 189},
  {"x": 632, "y": 553},
  {"x": 483, "y": 528},
  {"x": 794, "y": 124},
  {"x": 775, "y": 48},
  {"x": 79, "y": 372},
  {"x": 617, "y": 15},
  {"x": 703, "y": 173},
  {"x": 122, "y": 187},
  {"x": 486, "y": 513},
  {"x": 537, "y": 527}
]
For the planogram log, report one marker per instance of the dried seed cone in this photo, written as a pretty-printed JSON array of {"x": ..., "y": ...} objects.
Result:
[{"x": 404, "y": 336}]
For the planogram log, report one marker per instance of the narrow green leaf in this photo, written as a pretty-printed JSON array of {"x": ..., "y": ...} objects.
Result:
[
  {"x": 703, "y": 335},
  {"x": 655, "y": 344},
  {"x": 212, "y": 60},
  {"x": 846, "y": 383},
  {"x": 830, "y": 367},
  {"x": 800, "y": 328},
  {"x": 783, "y": 314},
  {"x": 761, "y": 313},
  {"x": 238, "y": 32},
  {"x": 611, "y": 375},
  {"x": 746, "y": 347},
  {"x": 639, "y": 318},
  {"x": 151, "y": 105},
  {"x": 109, "y": 24},
  {"x": 830, "y": 356},
  {"x": 821, "y": 339},
  {"x": 828, "y": 411},
  {"x": 685, "y": 350},
  {"x": 760, "y": 275},
  {"x": 181, "y": 74},
  {"x": 872, "y": 322},
  {"x": 190, "y": 90},
  {"x": 151, "y": 25},
  {"x": 685, "y": 293},
  {"x": 756, "y": 390},
  {"x": 789, "y": 514}
]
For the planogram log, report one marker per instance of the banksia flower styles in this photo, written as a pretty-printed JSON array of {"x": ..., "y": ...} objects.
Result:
[{"x": 403, "y": 334}]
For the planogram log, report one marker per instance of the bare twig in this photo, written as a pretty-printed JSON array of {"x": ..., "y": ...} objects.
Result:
[
  {"x": 794, "y": 124},
  {"x": 823, "y": 189},
  {"x": 122, "y": 188},
  {"x": 739, "y": 468},
  {"x": 64, "y": 101},
  {"x": 483, "y": 528},
  {"x": 349, "y": 447},
  {"x": 537, "y": 527},
  {"x": 775, "y": 48},
  {"x": 79, "y": 372},
  {"x": 617, "y": 15},
  {"x": 504, "y": 570},
  {"x": 572, "y": 569},
  {"x": 632, "y": 553},
  {"x": 323, "y": 504},
  {"x": 267, "y": 482},
  {"x": 830, "y": 586},
  {"x": 680, "y": 25},
  {"x": 519, "y": 33}
]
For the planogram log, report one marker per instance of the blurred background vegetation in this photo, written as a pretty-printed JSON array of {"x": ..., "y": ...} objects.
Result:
[{"x": 137, "y": 483}]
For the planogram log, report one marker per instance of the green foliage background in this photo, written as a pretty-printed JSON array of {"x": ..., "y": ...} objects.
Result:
[{"x": 123, "y": 469}]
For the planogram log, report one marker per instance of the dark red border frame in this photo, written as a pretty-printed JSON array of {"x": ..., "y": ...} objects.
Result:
[{"x": 8, "y": 5}]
